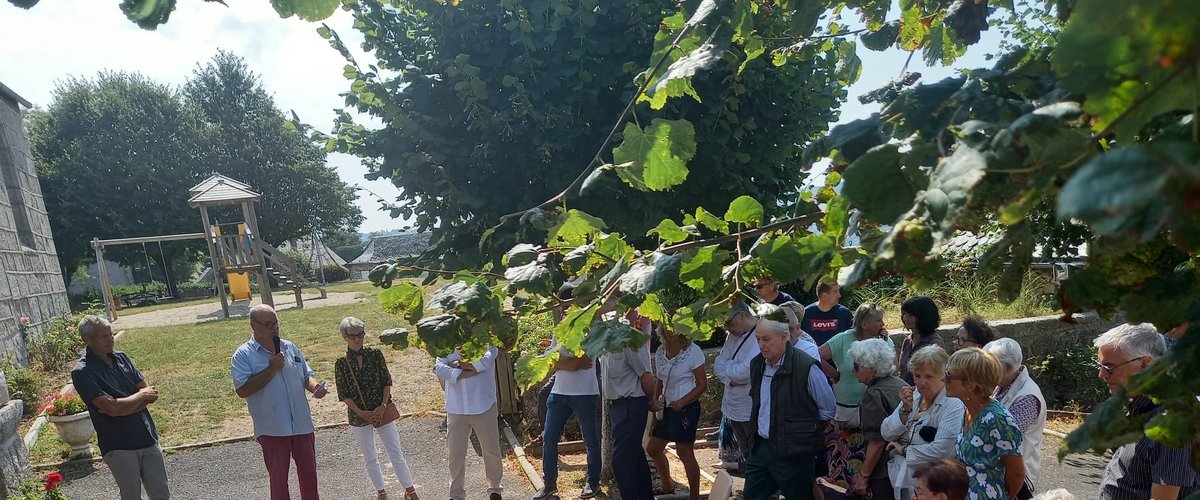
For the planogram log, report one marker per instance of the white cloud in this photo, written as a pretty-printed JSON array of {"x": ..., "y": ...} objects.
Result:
[{"x": 61, "y": 38}]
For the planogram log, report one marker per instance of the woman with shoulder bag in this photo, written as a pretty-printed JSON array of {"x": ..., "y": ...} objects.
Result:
[
  {"x": 365, "y": 385},
  {"x": 679, "y": 364},
  {"x": 926, "y": 424}
]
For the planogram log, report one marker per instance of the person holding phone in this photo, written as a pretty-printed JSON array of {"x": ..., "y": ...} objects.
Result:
[
  {"x": 272, "y": 375},
  {"x": 364, "y": 384}
]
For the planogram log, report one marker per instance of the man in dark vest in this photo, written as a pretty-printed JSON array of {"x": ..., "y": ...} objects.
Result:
[{"x": 791, "y": 402}]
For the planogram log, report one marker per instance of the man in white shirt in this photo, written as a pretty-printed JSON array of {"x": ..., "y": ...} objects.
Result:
[
  {"x": 471, "y": 406},
  {"x": 732, "y": 366},
  {"x": 576, "y": 390}
]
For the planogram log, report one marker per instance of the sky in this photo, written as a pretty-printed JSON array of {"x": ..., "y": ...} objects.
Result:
[{"x": 60, "y": 38}]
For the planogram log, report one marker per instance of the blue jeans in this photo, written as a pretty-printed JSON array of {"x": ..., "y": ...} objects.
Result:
[{"x": 558, "y": 408}]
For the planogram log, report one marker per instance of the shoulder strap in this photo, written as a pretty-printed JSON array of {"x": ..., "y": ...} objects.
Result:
[{"x": 350, "y": 368}]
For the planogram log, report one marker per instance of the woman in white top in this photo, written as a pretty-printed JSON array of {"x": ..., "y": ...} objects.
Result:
[
  {"x": 925, "y": 426},
  {"x": 679, "y": 368}
]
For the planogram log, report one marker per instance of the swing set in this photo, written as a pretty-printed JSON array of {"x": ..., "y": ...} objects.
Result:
[{"x": 234, "y": 256}]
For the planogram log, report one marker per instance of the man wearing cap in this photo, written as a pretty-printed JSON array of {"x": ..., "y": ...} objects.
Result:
[{"x": 732, "y": 366}]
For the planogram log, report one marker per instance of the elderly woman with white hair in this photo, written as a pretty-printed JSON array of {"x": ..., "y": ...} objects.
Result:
[
  {"x": 364, "y": 384},
  {"x": 926, "y": 424},
  {"x": 874, "y": 366},
  {"x": 1023, "y": 398}
]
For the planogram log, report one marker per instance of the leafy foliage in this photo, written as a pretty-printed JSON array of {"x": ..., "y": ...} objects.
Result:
[{"x": 150, "y": 14}]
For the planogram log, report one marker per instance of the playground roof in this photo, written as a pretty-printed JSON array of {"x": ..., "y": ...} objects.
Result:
[{"x": 220, "y": 190}]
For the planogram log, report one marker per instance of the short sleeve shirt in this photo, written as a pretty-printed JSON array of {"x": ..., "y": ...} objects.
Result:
[
  {"x": 372, "y": 377},
  {"x": 623, "y": 372},
  {"x": 280, "y": 408},
  {"x": 993, "y": 435},
  {"x": 93, "y": 378},
  {"x": 847, "y": 389},
  {"x": 676, "y": 373},
  {"x": 823, "y": 325},
  {"x": 576, "y": 382}
]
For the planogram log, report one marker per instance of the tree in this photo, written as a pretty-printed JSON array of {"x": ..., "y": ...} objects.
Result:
[
  {"x": 115, "y": 157},
  {"x": 1095, "y": 124},
  {"x": 493, "y": 107},
  {"x": 149, "y": 14},
  {"x": 246, "y": 137}
]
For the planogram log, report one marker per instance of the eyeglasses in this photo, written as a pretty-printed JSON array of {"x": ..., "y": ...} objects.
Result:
[
  {"x": 358, "y": 335},
  {"x": 962, "y": 340},
  {"x": 760, "y": 286},
  {"x": 918, "y": 491},
  {"x": 1110, "y": 369},
  {"x": 272, "y": 324}
]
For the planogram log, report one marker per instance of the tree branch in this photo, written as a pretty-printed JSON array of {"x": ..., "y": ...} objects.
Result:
[
  {"x": 817, "y": 37},
  {"x": 783, "y": 224}
]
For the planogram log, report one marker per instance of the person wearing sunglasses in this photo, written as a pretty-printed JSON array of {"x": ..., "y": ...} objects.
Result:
[
  {"x": 768, "y": 291},
  {"x": 364, "y": 384},
  {"x": 990, "y": 445},
  {"x": 1144, "y": 468}
]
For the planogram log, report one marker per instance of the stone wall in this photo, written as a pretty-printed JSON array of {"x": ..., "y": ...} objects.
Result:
[
  {"x": 31, "y": 282},
  {"x": 1038, "y": 336},
  {"x": 14, "y": 459}
]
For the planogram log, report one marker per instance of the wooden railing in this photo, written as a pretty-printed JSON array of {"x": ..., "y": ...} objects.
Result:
[{"x": 235, "y": 251}]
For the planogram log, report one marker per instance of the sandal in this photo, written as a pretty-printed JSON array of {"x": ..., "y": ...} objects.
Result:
[
  {"x": 411, "y": 495},
  {"x": 381, "y": 495},
  {"x": 664, "y": 491}
]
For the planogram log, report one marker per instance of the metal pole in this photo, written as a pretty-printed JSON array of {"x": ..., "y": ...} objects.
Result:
[
  {"x": 104, "y": 286},
  {"x": 320, "y": 249}
]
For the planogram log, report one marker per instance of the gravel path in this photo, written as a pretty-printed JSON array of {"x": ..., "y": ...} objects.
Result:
[
  {"x": 211, "y": 311},
  {"x": 236, "y": 470}
]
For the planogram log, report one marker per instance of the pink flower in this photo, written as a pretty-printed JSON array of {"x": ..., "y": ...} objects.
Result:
[{"x": 25, "y": 321}]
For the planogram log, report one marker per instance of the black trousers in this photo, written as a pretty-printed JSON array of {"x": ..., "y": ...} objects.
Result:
[{"x": 628, "y": 417}]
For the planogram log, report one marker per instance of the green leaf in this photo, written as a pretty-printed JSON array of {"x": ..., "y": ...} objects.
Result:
[
  {"x": 460, "y": 296},
  {"x": 533, "y": 277},
  {"x": 313, "y": 10},
  {"x": 745, "y": 210},
  {"x": 577, "y": 259},
  {"x": 509, "y": 80},
  {"x": 405, "y": 298},
  {"x": 742, "y": 21},
  {"x": 875, "y": 184},
  {"x": 505, "y": 331},
  {"x": 676, "y": 80},
  {"x": 396, "y": 338},
  {"x": 837, "y": 214},
  {"x": 650, "y": 274},
  {"x": 324, "y": 32},
  {"x": 443, "y": 333},
  {"x": 569, "y": 332},
  {"x": 701, "y": 268},
  {"x": 698, "y": 320},
  {"x": 519, "y": 255},
  {"x": 670, "y": 232},
  {"x": 654, "y": 309},
  {"x": 882, "y": 38},
  {"x": 612, "y": 336},
  {"x": 533, "y": 369},
  {"x": 575, "y": 227},
  {"x": 712, "y": 222},
  {"x": 658, "y": 155},
  {"x": 849, "y": 66},
  {"x": 851, "y": 139},
  {"x": 1113, "y": 190},
  {"x": 594, "y": 178},
  {"x": 913, "y": 29}
]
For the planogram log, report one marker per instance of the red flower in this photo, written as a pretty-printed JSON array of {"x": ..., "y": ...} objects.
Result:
[{"x": 52, "y": 480}]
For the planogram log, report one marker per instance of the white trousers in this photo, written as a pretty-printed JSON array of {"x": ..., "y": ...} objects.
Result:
[
  {"x": 365, "y": 436},
  {"x": 458, "y": 432}
]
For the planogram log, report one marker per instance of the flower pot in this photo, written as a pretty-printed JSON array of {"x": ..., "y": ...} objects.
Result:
[{"x": 76, "y": 430}]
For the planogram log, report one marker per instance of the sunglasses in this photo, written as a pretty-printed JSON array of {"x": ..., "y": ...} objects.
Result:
[
  {"x": 950, "y": 377},
  {"x": 1110, "y": 369},
  {"x": 760, "y": 286}
]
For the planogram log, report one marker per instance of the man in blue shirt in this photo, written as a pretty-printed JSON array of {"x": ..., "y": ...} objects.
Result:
[
  {"x": 117, "y": 395},
  {"x": 272, "y": 375}
]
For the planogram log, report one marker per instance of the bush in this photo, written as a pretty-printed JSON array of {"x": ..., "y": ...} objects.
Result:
[
  {"x": 333, "y": 272},
  {"x": 59, "y": 342},
  {"x": 1068, "y": 378},
  {"x": 154, "y": 287},
  {"x": 195, "y": 289},
  {"x": 24, "y": 384},
  {"x": 58, "y": 405}
]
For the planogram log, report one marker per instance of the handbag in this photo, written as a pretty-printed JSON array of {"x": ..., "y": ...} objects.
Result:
[{"x": 391, "y": 413}]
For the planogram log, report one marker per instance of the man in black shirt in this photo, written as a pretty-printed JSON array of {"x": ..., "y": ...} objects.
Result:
[
  {"x": 117, "y": 395},
  {"x": 769, "y": 292},
  {"x": 826, "y": 317}
]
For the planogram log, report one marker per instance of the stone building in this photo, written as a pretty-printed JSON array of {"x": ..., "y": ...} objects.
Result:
[
  {"x": 31, "y": 281},
  {"x": 388, "y": 248}
]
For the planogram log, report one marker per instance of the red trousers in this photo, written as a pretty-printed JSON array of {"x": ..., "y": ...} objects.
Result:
[{"x": 278, "y": 452}]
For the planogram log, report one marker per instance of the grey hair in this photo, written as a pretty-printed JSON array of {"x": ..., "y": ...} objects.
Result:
[
  {"x": 779, "y": 328},
  {"x": 1055, "y": 494},
  {"x": 257, "y": 310},
  {"x": 1008, "y": 351},
  {"x": 89, "y": 323},
  {"x": 874, "y": 354},
  {"x": 350, "y": 323},
  {"x": 1135, "y": 340}
]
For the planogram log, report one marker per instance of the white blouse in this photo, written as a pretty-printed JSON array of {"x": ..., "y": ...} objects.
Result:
[{"x": 676, "y": 373}]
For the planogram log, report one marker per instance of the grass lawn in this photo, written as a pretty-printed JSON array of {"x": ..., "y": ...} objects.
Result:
[{"x": 189, "y": 364}]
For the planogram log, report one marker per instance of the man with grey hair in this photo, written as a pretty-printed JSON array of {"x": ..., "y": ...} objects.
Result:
[
  {"x": 272, "y": 375},
  {"x": 732, "y": 367},
  {"x": 117, "y": 395},
  {"x": 1144, "y": 468},
  {"x": 1023, "y": 398}
]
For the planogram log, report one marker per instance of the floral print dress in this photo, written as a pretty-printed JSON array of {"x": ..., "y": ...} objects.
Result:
[{"x": 993, "y": 435}]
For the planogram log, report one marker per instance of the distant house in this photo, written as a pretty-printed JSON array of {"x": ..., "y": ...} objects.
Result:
[
  {"x": 964, "y": 245},
  {"x": 314, "y": 257},
  {"x": 383, "y": 249}
]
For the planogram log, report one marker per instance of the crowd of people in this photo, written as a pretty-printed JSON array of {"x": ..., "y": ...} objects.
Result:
[{"x": 817, "y": 401}]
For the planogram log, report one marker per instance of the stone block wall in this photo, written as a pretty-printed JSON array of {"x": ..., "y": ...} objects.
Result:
[
  {"x": 14, "y": 458},
  {"x": 31, "y": 281},
  {"x": 1038, "y": 336}
]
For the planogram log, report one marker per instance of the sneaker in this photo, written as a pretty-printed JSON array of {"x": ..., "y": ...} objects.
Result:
[
  {"x": 544, "y": 493},
  {"x": 725, "y": 465},
  {"x": 495, "y": 496},
  {"x": 589, "y": 491}
]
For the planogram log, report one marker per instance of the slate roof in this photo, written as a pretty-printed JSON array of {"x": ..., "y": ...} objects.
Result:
[
  {"x": 384, "y": 248},
  {"x": 969, "y": 245},
  {"x": 11, "y": 95},
  {"x": 218, "y": 189}
]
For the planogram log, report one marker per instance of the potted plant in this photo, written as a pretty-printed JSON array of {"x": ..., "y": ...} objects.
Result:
[
  {"x": 41, "y": 489},
  {"x": 70, "y": 416}
]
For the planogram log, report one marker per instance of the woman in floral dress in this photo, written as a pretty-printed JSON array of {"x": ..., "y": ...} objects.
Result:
[{"x": 990, "y": 446}]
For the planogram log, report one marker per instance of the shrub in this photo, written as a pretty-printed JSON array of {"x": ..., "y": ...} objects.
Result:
[
  {"x": 41, "y": 489},
  {"x": 333, "y": 272},
  {"x": 1068, "y": 378},
  {"x": 59, "y": 341},
  {"x": 62, "y": 404},
  {"x": 154, "y": 287},
  {"x": 24, "y": 384},
  {"x": 195, "y": 289}
]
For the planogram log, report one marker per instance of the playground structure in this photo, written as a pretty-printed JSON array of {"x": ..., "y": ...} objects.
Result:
[{"x": 234, "y": 256}]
